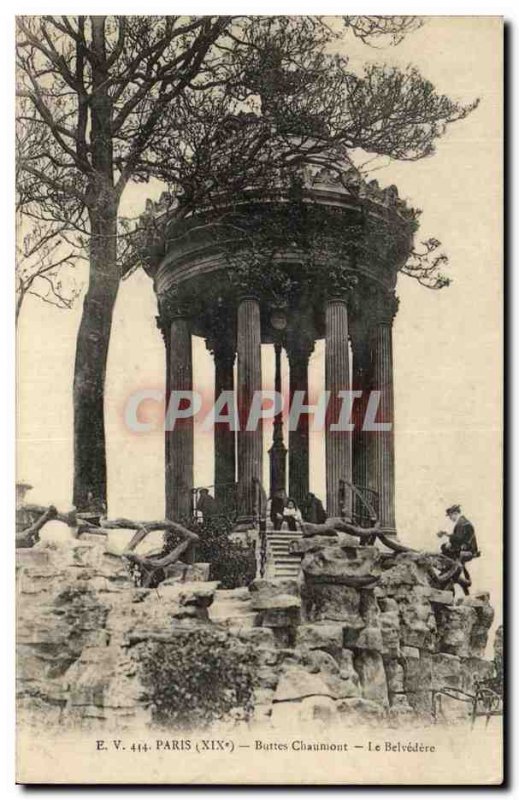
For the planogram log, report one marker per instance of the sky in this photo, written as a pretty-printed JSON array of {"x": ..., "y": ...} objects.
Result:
[{"x": 447, "y": 344}]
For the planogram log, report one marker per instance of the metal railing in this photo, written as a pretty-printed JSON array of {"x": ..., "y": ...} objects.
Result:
[
  {"x": 260, "y": 521},
  {"x": 363, "y": 501}
]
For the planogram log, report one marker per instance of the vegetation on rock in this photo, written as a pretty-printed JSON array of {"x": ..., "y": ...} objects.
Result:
[{"x": 198, "y": 677}]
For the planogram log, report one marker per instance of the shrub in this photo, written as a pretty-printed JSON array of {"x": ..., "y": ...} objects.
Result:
[
  {"x": 232, "y": 564},
  {"x": 198, "y": 677}
]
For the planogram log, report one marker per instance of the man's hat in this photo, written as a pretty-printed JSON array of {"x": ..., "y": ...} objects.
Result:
[{"x": 453, "y": 510}]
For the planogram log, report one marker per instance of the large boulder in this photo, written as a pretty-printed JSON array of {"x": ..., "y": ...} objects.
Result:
[
  {"x": 394, "y": 676},
  {"x": 297, "y": 683},
  {"x": 455, "y": 625},
  {"x": 417, "y": 620},
  {"x": 327, "y": 636},
  {"x": 308, "y": 544},
  {"x": 348, "y": 566},
  {"x": 404, "y": 570},
  {"x": 483, "y": 622},
  {"x": 390, "y": 626},
  {"x": 334, "y": 603}
]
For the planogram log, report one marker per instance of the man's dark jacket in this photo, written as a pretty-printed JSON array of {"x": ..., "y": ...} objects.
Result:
[{"x": 463, "y": 536}]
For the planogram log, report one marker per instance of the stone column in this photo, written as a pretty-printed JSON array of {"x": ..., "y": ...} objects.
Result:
[
  {"x": 164, "y": 327},
  {"x": 299, "y": 348},
  {"x": 384, "y": 440},
  {"x": 179, "y": 441},
  {"x": 250, "y": 443},
  {"x": 360, "y": 336},
  {"x": 337, "y": 378},
  {"x": 278, "y": 451},
  {"x": 223, "y": 350}
]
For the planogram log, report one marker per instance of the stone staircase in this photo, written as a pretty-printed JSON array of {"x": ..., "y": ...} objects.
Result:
[
  {"x": 281, "y": 563},
  {"x": 233, "y": 607}
]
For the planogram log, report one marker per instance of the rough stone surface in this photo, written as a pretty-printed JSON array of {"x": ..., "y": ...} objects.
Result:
[
  {"x": 446, "y": 671},
  {"x": 417, "y": 620},
  {"x": 316, "y": 542},
  {"x": 361, "y": 637},
  {"x": 349, "y": 566},
  {"x": 272, "y": 587},
  {"x": 297, "y": 683},
  {"x": 359, "y": 711},
  {"x": 456, "y": 623},
  {"x": 187, "y": 572},
  {"x": 370, "y": 669},
  {"x": 484, "y": 619},
  {"x": 390, "y": 626},
  {"x": 279, "y": 602},
  {"x": 394, "y": 676},
  {"x": 332, "y": 602},
  {"x": 321, "y": 636},
  {"x": 418, "y": 673}
]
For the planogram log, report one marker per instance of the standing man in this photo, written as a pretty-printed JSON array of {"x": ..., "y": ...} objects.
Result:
[
  {"x": 206, "y": 505},
  {"x": 313, "y": 510},
  {"x": 277, "y": 506}
]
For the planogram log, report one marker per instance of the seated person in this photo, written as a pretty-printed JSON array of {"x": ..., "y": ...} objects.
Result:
[
  {"x": 462, "y": 545},
  {"x": 292, "y": 515}
]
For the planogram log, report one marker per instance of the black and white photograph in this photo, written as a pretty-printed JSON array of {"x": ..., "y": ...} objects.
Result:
[{"x": 259, "y": 399}]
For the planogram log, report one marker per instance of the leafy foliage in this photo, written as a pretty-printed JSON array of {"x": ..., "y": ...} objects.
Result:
[
  {"x": 199, "y": 677},
  {"x": 231, "y": 563}
]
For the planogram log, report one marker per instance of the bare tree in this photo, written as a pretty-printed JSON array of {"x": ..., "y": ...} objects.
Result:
[
  {"x": 44, "y": 266},
  {"x": 204, "y": 104}
]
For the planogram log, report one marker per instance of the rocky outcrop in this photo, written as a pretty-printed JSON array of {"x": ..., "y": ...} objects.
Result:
[{"x": 361, "y": 636}]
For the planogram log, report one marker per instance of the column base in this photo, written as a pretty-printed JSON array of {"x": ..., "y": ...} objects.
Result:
[{"x": 389, "y": 531}]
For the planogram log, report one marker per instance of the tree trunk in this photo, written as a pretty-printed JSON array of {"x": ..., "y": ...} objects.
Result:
[
  {"x": 90, "y": 370},
  {"x": 94, "y": 332}
]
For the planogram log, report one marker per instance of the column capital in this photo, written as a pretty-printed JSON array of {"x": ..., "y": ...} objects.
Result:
[
  {"x": 248, "y": 294},
  {"x": 171, "y": 305},
  {"x": 299, "y": 350},
  {"x": 341, "y": 281},
  {"x": 383, "y": 307},
  {"x": 222, "y": 350},
  {"x": 299, "y": 339},
  {"x": 372, "y": 304},
  {"x": 221, "y": 339}
]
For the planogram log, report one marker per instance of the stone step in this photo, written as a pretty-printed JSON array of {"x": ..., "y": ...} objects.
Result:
[
  {"x": 281, "y": 547},
  {"x": 286, "y": 558},
  {"x": 240, "y": 594}
]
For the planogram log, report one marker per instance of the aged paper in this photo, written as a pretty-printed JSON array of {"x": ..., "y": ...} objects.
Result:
[{"x": 259, "y": 358}]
